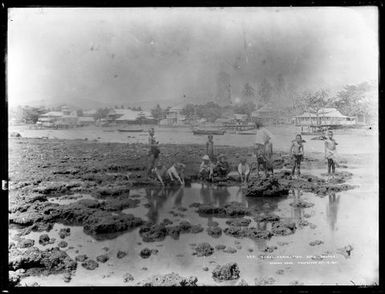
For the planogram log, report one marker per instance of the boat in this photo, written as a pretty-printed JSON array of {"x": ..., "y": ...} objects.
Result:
[
  {"x": 131, "y": 130},
  {"x": 314, "y": 130},
  {"x": 245, "y": 133},
  {"x": 208, "y": 132}
]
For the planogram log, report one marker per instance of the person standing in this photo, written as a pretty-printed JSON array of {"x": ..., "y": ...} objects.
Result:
[
  {"x": 244, "y": 171},
  {"x": 262, "y": 143},
  {"x": 297, "y": 153},
  {"x": 330, "y": 153},
  {"x": 210, "y": 148},
  {"x": 154, "y": 151}
]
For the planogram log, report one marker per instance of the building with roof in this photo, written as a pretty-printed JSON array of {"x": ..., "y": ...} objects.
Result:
[
  {"x": 90, "y": 113},
  {"x": 174, "y": 117},
  {"x": 58, "y": 119},
  {"x": 128, "y": 116},
  {"x": 324, "y": 116},
  {"x": 85, "y": 121},
  {"x": 240, "y": 117}
]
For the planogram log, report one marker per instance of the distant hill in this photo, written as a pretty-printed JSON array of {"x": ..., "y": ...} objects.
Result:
[
  {"x": 76, "y": 103},
  {"x": 84, "y": 103}
]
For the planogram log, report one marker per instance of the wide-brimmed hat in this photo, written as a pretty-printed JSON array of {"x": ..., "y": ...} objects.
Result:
[
  {"x": 221, "y": 155},
  {"x": 206, "y": 157}
]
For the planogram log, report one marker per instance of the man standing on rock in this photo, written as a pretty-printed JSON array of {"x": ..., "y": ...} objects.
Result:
[
  {"x": 153, "y": 152},
  {"x": 262, "y": 143},
  {"x": 330, "y": 153}
]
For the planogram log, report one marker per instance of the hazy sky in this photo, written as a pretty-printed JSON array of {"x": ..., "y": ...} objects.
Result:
[{"x": 129, "y": 56}]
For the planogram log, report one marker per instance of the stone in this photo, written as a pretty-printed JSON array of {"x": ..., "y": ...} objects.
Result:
[
  {"x": 171, "y": 279},
  {"x": 64, "y": 232},
  {"x": 44, "y": 239},
  {"x": 220, "y": 247},
  {"x": 239, "y": 222},
  {"x": 214, "y": 232},
  {"x": 230, "y": 250},
  {"x": 203, "y": 249},
  {"x": 26, "y": 243},
  {"x": 90, "y": 264},
  {"x": 81, "y": 257},
  {"x": 229, "y": 271},
  {"x": 121, "y": 254},
  {"x": 127, "y": 278},
  {"x": 316, "y": 242},
  {"x": 62, "y": 244},
  {"x": 102, "y": 258}
]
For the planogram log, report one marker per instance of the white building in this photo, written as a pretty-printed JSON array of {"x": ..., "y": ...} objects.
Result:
[
  {"x": 174, "y": 117},
  {"x": 325, "y": 116},
  {"x": 133, "y": 117}
]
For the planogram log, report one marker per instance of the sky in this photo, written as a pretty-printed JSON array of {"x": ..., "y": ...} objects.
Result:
[{"x": 172, "y": 56}]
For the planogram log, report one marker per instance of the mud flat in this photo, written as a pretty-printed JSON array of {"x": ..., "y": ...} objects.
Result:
[{"x": 95, "y": 190}]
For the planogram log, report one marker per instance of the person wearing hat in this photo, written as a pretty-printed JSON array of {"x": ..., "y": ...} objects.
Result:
[
  {"x": 222, "y": 167},
  {"x": 206, "y": 169}
]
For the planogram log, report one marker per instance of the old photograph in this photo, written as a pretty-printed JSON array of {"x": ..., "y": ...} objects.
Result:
[{"x": 193, "y": 146}]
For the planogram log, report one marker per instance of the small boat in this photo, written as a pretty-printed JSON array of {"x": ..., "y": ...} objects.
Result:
[
  {"x": 314, "y": 130},
  {"x": 245, "y": 133},
  {"x": 131, "y": 130},
  {"x": 208, "y": 132}
]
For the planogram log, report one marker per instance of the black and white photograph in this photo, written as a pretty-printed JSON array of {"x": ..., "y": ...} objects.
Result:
[{"x": 192, "y": 146}]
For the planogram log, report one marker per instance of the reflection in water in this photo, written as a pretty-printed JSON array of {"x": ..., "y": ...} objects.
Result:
[
  {"x": 162, "y": 199},
  {"x": 240, "y": 196},
  {"x": 157, "y": 197},
  {"x": 332, "y": 209},
  {"x": 261, "y": 243},
  {"x": 220, "y": 195},
  {"x": 179, "y": 196},
  {"x": 206, "y": 194},
  {"x": 296, "y": 212}
]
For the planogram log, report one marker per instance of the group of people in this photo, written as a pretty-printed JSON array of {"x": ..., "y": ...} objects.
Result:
[
  {"x": 213, "y": 166},
  {"x": 165, "y": 175},
  {"x": 297, "y": 152}
]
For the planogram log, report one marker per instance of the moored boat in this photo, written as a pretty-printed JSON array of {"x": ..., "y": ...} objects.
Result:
[
  {"x": 208, "y": 132},
  {"x": 131, "y": 130}
]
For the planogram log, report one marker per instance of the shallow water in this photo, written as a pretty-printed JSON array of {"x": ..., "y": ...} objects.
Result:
[
  {"x": 353, "y": 141},
  {"x": 350, "y": 217}
]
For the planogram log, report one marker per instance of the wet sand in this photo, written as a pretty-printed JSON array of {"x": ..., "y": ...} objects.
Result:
[{"x": 60, "y": 173}]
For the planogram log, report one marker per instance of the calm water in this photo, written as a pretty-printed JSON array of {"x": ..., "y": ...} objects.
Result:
[
  {"x": 350, "y": 218},
  {"x": 355, "y": 141}
]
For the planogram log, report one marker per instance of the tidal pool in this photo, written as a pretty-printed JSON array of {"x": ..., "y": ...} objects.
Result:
[{"x": 347, "y": 218}]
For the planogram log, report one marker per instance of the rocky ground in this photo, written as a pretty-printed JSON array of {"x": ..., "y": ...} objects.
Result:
[{"x": 41, "y": 169}]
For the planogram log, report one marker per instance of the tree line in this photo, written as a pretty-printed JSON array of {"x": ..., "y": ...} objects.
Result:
[{"x": 353, "y": 100}]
